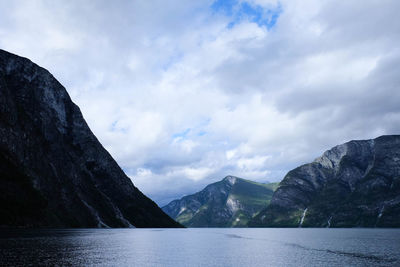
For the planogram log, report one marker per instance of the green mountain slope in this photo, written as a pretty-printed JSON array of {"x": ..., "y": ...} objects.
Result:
[{"x": 231, "y": 202}]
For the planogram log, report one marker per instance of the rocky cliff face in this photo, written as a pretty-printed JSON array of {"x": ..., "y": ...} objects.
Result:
[
  {"x": 53, "y": 170},
  {"x": 356, "y": 184},
  {"x": 231, "y": 202}
]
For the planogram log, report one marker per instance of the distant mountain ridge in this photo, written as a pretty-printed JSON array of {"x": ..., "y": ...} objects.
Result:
[
  {"x": 356, "y": 184},
  {"x": 231, "y": 202},
  {"x": 53, "y": 170}
]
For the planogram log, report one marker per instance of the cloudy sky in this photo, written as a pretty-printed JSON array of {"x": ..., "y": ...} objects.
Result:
[{"x": 183, "y": 93}]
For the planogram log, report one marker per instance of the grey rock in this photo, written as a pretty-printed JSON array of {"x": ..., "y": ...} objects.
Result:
[{"x": 356, "y": 184}]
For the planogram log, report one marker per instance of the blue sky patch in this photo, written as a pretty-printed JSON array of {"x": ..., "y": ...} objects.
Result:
[
  {"x": 193, "y": 132},
  {"x": 201, "y": 133},
  {"x": 182, "y": 134},
  {"x": 239, "y": 11},
  {"x": 116, "y": 128},
  {"x": 224, "y": 6}
]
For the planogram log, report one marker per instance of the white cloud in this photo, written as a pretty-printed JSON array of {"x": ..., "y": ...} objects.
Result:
[{"x": 181, "y": 100}]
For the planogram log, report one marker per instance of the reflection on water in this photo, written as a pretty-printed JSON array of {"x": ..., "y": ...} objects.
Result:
[{"x": 200, "y": 247}]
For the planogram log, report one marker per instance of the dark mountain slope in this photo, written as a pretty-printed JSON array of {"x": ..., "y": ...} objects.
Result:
[
  {"x": 356, "y": 184},
  {"x": 53, "y": 170},
  {"x": 231, "y": 202}
]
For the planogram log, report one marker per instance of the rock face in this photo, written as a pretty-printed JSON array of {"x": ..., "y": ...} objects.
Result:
[
  {"x": 356, "y": 184},
  {"x": 53, "y": 170},
  {"x": 231, "y": 202}
]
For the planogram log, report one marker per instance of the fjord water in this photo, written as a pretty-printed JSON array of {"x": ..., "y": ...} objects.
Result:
[{"x": 201, "y": 247}]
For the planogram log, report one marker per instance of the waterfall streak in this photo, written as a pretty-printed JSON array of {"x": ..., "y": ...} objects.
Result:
[{"x": 302, "y": 217}]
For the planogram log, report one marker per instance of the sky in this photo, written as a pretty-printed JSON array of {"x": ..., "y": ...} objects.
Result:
[{"x": 183, "y": 93}]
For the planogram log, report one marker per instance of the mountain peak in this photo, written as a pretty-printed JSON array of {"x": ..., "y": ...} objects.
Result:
[
  {"x": 231, "y": 202},
  {"x": 355, "y": 184},
  {"x": 230, "y": 179}
]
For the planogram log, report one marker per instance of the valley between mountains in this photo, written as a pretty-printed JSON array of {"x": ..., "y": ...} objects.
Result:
[{"x": 55, "y": 173}]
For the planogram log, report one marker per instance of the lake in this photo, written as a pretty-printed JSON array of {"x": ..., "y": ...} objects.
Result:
[{"x": 201, "y": 247}]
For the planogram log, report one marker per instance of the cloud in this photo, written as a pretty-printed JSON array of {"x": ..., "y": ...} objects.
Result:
[{"x": 185, "y": 93}]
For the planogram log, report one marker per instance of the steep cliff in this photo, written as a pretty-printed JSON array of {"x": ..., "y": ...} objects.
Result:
[
  {"x": 231, "y": 202},
  {"x": 53, "y": 170},
  {"x": 356, "y": 184}
]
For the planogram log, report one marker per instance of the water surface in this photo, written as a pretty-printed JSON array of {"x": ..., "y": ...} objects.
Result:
[{"x": 200, "y": 247}]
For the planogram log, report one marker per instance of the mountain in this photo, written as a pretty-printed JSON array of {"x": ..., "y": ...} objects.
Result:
[
  {"x": 231, "y": 202},
  {"x": 53, "y": 170},
  {"x": 356, "y": 184}
]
